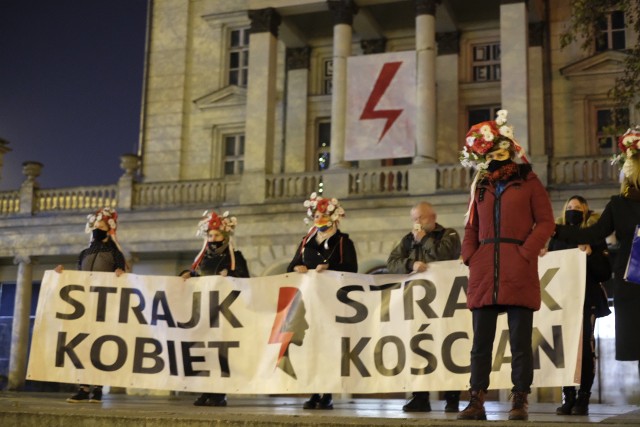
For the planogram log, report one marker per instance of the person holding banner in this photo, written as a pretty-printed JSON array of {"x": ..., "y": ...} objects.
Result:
[
  {"x": 103, "y": 254},
  {"x": 578, "y": 215},
  {"x": 428, "y": 241},
  {"x": 621, "y": 216},
  {"x": 508, "y": 222},
  {"x": 324, "y": 247},
  {"x": 217, "y": 257}
]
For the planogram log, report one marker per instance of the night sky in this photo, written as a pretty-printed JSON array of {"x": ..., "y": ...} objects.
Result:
[{"x": 71, "y": 75}]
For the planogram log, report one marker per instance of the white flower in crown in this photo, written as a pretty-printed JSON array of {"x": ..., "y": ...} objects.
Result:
[
  {"x": 501, "y": 117},
  {"x": 504, "y": 144},
  {"x": 486, "y": 133},
  {"x": 506, "y": 131},
  {"x": 313, "y": 196},
  {"x": 306, "y": 204},
  {"x": 470, "y": 141}
]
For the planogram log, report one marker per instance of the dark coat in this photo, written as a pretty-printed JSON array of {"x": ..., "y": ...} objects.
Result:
[
  {"x": 101, "y": 256},
  {"x": 340, "y": 255},
  {"x": 212, "y": 264},
  {"x": 598, "y": 270},
  {"x": 502, "y": 240},
  {"x": 621, "y": 215},
  {"x": 441, "y": 244}
]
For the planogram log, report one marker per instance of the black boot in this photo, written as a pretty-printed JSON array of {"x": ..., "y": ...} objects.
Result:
[
  {"x": 568, "y": 400},
  {"x": 326, "y": 401},
  {"x": 312, "y": 403},
  {"x": 418, "y": 403},
  {"x": 581, "y": 406},
  {"x": 453, "y": 401}
]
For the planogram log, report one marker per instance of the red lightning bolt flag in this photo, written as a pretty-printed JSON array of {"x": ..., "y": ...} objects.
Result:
[{"x": 369, "y": 112}]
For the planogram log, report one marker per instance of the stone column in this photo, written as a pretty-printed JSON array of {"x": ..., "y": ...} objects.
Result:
[
  {"x": 31, "y": 170},
  {"x": 261, "y": 104},
  {"x": 20, "y": 327},
  {"x": 296, "y": 118},
  {"x": 448, "y": 94},
  {"x": 514, "y": 66},
  {"x": 426, "y": 131},
  {"x": 4, "y": 149},
  {"x": 342, "y": 11}
]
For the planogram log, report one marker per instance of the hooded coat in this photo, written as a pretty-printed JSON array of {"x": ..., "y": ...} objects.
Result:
[{"x": 503, "y": 237}]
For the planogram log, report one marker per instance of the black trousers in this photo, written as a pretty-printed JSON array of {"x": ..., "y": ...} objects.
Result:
[
  {"x": 588, "y": 370},
  {"x": 520, "y": 320}
]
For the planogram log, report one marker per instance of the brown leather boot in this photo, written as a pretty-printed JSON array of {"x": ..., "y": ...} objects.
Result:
[
  {"x": 475, "y": 408},
  {"x": 519, "y": 406}
]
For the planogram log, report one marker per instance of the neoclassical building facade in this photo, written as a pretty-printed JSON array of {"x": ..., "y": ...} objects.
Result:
[{"x": 244, "y": 109}]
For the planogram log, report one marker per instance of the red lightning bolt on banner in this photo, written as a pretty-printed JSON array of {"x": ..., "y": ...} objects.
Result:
[
  {"x": 387, "y": 73},
  {"x": 285, "y": 299}
]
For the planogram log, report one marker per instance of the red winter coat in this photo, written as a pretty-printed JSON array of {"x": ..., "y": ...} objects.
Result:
[{"x": 521, "y": 220}]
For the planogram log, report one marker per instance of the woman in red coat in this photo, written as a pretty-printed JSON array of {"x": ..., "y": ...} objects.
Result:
[{"x": 509, "y": 221}]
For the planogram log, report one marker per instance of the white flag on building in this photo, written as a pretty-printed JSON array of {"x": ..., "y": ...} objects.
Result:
[{"x": 381, "y": 106}]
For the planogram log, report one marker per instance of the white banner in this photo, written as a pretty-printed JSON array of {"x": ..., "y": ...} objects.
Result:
[
  {"x": 381, "y": 106},
  {"x": 292, "y": 333}
]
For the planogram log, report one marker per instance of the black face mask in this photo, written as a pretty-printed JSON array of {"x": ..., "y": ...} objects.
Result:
[
  {"x": 573, "y": 217},
  {"x": 98, "y": 234},
  {"x": 494, "y": 165},
  {"x": 214, "y": 245}
]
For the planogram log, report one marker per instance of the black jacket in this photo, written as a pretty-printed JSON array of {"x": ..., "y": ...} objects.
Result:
[{"x": 340, "y": 255}]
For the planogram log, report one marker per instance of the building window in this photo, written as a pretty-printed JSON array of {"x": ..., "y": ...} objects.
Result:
[
  {"x": 481, "y": 114},
  {"x": 607, "y": 132},
  {"x": 612, "y": 32},
  {"x": 485, "y": 63},
  {"x": 323, "y": 149},
  {"x": 327, "y": 76},
  {"x": 233, "y": 154},
  {"x": 239, "y": 56}
]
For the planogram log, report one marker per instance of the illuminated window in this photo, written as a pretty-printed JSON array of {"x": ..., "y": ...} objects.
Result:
[
  {"x": 323, "y": 149},
  {"x": 239, "y": 57},
  {"x": 612, "y": 32},
  {"x": 485, "y": 63},
  {"x": 233, "y": 154}
]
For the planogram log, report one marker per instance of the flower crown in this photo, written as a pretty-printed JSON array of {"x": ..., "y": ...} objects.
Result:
[
  {"x": 629, "y": 144},
  {"x": 212, "y": 221},
  {"x": 106, "y": 214},
  {"x": 323, "y": 205},
  {"x": 482, "y": 138}
]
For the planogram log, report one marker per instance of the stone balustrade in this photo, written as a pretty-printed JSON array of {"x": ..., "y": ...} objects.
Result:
[
  {"x": 76, "y": 198},
  {"x": 393, "y": 180},
  {"x": 166, "y": 194},
  {"x": 583, "y": 171},
  {"x": 387, "y": 180},
  {"x": 9, "y": 203},
  {"x": 292, "y": 185}
]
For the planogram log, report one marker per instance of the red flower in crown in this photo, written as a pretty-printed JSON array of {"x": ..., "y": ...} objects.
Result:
[
  {"x": 481, "y": 137},
  {"x": 215, "y": 222},
  {"x": 322, "y": 205}
]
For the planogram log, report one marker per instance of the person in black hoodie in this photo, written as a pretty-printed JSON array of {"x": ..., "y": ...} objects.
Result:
[
  {"x": 324, "y": 247},
  {"x": 217, "y": 257},
  {"x": 576, "y": 214}
]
